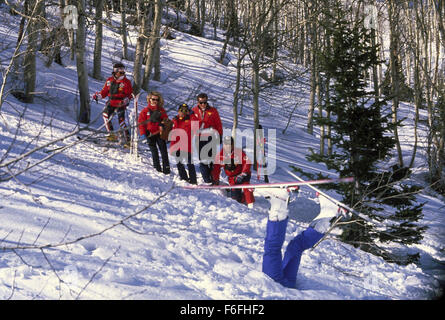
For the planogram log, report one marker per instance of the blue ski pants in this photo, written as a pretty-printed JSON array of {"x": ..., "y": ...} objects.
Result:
[{"x": 284, "y": 270}]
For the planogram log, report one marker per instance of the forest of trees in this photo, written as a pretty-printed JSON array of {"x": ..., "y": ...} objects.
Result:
[{"x": 404, "y": 61}]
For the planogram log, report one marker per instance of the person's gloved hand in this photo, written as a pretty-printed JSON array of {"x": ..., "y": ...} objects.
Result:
[
  {"x": 240, "y": 178},
  {"x": 345, "y": 213},
  {"x": 96, "y": 96}
]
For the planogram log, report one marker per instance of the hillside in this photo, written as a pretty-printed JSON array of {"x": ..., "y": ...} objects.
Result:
[{"x": 93, "y": 223}]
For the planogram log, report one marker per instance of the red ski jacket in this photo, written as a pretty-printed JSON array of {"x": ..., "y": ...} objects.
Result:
[
  {"x": 180, "y": 143},
  {"x": 238, "y": 163},
  {"x": 153, "y": 126},
  {"x": 209, "y": 118},
  {"x": 118, "y": 90}
]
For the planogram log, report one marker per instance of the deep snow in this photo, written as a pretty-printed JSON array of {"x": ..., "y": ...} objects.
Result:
[{"x": 118, "y": 240}]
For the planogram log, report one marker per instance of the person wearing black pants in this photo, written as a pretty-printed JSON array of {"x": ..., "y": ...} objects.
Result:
[
  {"x": 155, "y": 142},
  {"x": 150, "y": 128},
  {"x": 209, "y": 135},
  {"x": 181, "y": 158}
]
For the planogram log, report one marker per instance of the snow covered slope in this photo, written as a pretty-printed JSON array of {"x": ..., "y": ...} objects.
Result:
[{"x": 92, "y": 223}]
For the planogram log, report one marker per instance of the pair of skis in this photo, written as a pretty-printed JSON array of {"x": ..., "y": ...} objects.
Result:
[
  {"x": 99, "y": 140},
  {"x": 272, "y": 185},
  {"x": 299, "y": 182}
]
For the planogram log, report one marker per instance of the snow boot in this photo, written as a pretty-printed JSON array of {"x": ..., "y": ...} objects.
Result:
[
  {"x": 206, "y": 172},
  {"x": 192, "y": 173},
  {"x": 112, "y": 137},
  {"x": 166, "y": 169},
  {"x": 279, "y": 199},
  {"x": 181, "y": 172}
]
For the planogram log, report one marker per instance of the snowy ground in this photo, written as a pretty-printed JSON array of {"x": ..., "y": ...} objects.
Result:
[{"x": 104, "y": 226}]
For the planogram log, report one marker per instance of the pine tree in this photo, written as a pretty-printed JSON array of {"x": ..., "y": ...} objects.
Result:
[{"x": 361, "y": 134}]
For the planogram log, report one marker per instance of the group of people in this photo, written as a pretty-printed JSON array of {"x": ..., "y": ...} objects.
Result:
[{"x": 201, "y": 124}]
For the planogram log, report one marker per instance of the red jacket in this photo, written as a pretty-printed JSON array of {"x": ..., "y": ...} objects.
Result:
[
  {"x": 145, "y": 125},
  {"x": 118, "y": 90},
  {"x": 208, "y": 119},
  {"x": 239, "y": 163},
  {"x": 179, "y": 143}
]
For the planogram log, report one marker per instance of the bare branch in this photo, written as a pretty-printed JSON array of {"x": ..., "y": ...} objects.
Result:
[{"x": 97, "y": 272}]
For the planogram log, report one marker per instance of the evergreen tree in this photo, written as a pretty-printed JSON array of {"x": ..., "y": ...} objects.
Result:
[{"x": 361, "y": 134}]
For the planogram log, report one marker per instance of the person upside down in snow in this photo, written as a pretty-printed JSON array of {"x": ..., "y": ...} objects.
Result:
[
  {"x": 237, "y": 168},
  {"x": 284, "y": 269}
]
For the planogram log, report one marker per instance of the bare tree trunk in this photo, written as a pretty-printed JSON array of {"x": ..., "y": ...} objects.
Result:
[
  {"x": 154, "y": 38},
  {"x": 82, "y": 73},
  {"x": 440, "y": 15},
  {"x": 97, "y": 56},
  {"x": 393, "y": 12},
  {"x": 301, "y": 43},
  {"x": 124, "y": 30},
  {"x": 29, "y": 60},
  {"x": 328, "y": 116},
  {"x": 417, "y": 104},
  {"x": 375, "y": 72},
  {"x": 310, "y": 115},
  {"x": 71, "y": 33},
  {"x": 143, "y": 18},
  {"x": 313, "y": 49},
  {"x": 236, "y": 93},
  {"x": 198, "y": 11},
  {"x": 320, "y": 113},
  {"x": 231, "y": 28},
  {"x": 216, "y": 16},
  {"x": 415, "y": 45},
  {"x": 157, "y": 62},
  {"x": 256, "y": 106},
  {"x": 276, "y": 45},
  {"x": 306, "y": 41},
  {"x": 188, "y": 9},
  {"x": 203, "y": 17}
]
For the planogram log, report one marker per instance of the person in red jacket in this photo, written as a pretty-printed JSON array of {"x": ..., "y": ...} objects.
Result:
[
  {"x": 150, "y": 129},
  {"x": 119, "y": 91},
  {"x": 237, "y": 168},
  {"x": 209, "y": 135},
  {"x": 181, "y": 143}
]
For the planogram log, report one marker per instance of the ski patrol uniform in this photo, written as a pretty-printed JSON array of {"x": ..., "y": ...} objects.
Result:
[
  {"x": 181, "y": 146},
  {"x": 208, "y": 119},
  {"x": 237, "y": 168},
  {"x": 149, "y": 120},
  {"x": 119, "y": 91}
]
